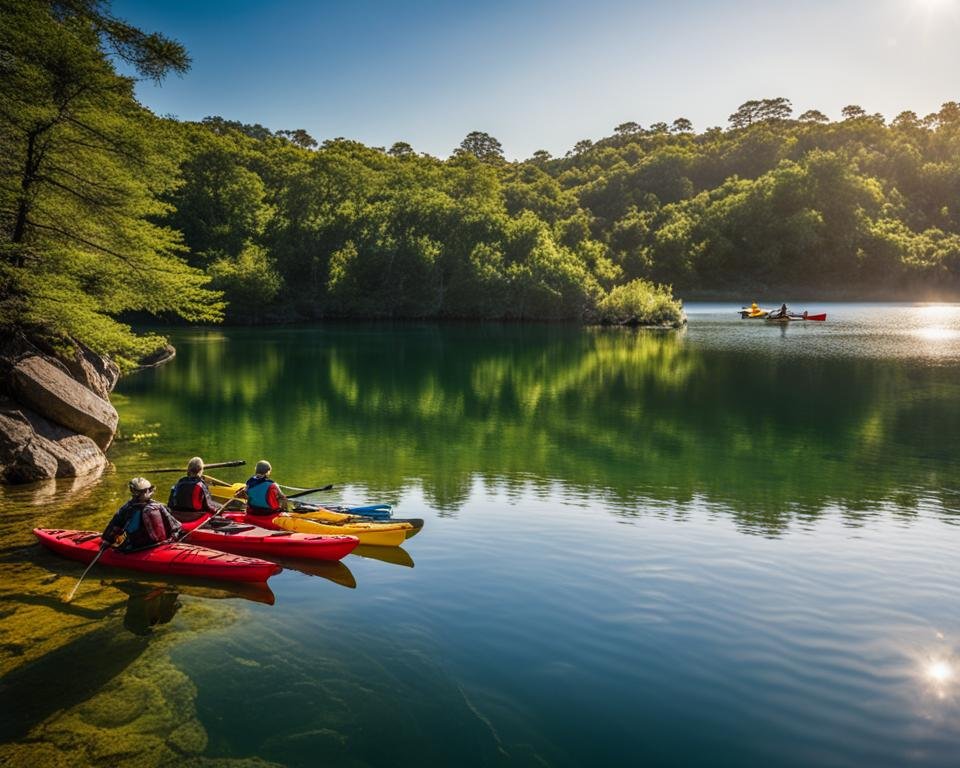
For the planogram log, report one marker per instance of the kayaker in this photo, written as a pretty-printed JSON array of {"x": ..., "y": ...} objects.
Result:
[
  {"x": 141, "y": 522},
  {"x": 262, "y": 493},
  {"x": 782, "y": 312},
  {"x": 190, "y": 498}
]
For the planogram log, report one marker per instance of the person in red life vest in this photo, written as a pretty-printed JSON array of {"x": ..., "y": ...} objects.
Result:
[
  {"x": 262, "y": 493},
  {"x": 141, "y": 522},
  {"x": 190, "y": 498}
]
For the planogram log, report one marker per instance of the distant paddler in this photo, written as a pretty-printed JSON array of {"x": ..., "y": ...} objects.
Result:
[
  {"x": 190, "y": 498},
  {"x": 262, "y": 492}
]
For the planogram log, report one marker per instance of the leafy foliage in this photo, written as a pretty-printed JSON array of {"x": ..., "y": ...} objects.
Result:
[
  {"x": 82, "y": 173},
  {"x": 640, "y": 303},
  {"x": 846, "y": 207}
]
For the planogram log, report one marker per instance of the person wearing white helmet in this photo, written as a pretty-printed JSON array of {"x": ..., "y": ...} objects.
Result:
[
  {"x": 190, "y": 498},
  {"x": 262, "y": 493},
  {"x": 141, "y": 522}
]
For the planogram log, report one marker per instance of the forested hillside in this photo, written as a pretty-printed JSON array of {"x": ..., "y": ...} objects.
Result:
[
  {"x": 849, "y": 208},
  {"x": 108, "y": 210}
]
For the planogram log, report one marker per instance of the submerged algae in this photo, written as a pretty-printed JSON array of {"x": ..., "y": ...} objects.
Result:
[{"x": 89, "y": 690}]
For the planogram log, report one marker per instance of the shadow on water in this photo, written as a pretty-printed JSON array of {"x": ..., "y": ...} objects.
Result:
[{"x": 74, "y": 671}]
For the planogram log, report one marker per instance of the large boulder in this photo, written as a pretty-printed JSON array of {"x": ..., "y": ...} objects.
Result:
[
  {"x": 97, "y": 373},
  {"x": 32, "y": 448},
  {"x": 57, "y": 396},
  {"x": 22, "y": 457},
  {"x": 75, "y": 454}
]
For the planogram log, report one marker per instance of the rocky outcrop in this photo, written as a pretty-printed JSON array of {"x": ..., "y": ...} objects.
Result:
[
  {"x": 45, "y": 388},
  {"x": 163, "y": 355},
  {"x": 33, "y": 448},
  {"x": 55, "y": 416}
]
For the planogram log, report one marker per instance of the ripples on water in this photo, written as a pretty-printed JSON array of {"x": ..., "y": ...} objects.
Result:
[{"x": 735, "y": 546}]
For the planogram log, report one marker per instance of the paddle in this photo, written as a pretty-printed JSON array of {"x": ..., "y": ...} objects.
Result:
[
  {"x": 237, "y": 463},
  {"x": 103, "y": 548},
  {"x": 214, "y": 480},
  {"x": 308, "y": 491}
]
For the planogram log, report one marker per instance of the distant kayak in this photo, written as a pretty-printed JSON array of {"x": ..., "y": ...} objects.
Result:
[
  {"x": 794, "y": 317},
  {"x": 753, "y": 313},
  {"x": 174, "y": 559}
]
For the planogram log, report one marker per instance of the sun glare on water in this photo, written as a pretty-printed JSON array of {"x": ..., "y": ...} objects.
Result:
[
  {"x": 939, "y": 675},
  {"x": 940, "y": 671}
]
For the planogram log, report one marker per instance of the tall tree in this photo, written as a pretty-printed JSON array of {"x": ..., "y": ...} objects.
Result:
[
  {"x": 481, "y": 145},
  {"x": 299, "y": 137},
  {"x": 83, "y": 168},
  {"x": 627, "y": 129},
  {"x": 401, "y": 149},
  {"x": 813, "y": 116}
]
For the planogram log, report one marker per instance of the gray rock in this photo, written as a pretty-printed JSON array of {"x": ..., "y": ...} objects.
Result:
[
  {"x": 75, "y": 454},
  {"x": 22, "y": 457},
  {"x": 32, "y": 448},
  {"x": 58, "y": 397},
  {"x": 95, "y": 372}
]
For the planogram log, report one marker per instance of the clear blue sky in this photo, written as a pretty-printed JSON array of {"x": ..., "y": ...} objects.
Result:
[{"x": 543, "y": 74}]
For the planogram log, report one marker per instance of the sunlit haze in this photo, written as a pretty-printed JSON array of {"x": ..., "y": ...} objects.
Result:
[{"x": 544, "y": 75}]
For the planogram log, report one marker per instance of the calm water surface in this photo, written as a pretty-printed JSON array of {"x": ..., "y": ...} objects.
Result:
[{"x": 733, "y": 545}]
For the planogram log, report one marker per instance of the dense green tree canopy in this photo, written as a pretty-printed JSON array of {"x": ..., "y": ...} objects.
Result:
[
  {"x": 82, "y": 170},
  {"x": 849, "y": 208}
]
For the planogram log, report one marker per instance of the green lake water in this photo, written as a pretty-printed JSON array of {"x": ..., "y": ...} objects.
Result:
[{"x": 733, "y": 545}]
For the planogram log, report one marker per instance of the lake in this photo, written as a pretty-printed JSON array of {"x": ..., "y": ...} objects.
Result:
[{"x": 731, "y": 545}]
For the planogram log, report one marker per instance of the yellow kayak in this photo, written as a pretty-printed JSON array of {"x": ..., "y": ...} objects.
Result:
[
  {"x": 373, "y": 534},
  {"x": 328, "y": 523}
]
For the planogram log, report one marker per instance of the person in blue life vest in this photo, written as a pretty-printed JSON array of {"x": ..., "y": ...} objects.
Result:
[
  {"x": 190, "y": 498},
  {"x": 142, "y": 522},
  {"x": 262, "y": 493}
]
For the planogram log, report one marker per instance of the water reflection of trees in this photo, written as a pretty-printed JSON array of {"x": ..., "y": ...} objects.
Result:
[{"x": 629, "y": 417}]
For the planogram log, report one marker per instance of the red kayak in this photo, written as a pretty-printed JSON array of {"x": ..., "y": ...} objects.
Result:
[
  {"x": 790, "y": 317},
  {"x": 247, "y": 539},
  {"x": 169, "y": 559}
]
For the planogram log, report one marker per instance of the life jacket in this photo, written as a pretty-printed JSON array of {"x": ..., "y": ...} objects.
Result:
[
  {"x": 262, "y": 496},
  {"x": 188, "y": 499},
  {"x": 137, "y": 535}
]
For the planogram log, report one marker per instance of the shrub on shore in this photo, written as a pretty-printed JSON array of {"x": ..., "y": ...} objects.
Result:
[{"x": 641, "y": 302}]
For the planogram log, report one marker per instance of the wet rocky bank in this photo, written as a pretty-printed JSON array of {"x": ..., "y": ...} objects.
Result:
[{"x": 56, "y": 419}]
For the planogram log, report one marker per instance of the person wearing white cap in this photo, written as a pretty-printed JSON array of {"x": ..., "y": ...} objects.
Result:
[
  {"x": 190, "y": 498},
  {"x": 262, "y": 493},
  {"x": 141, "y": 522}
]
